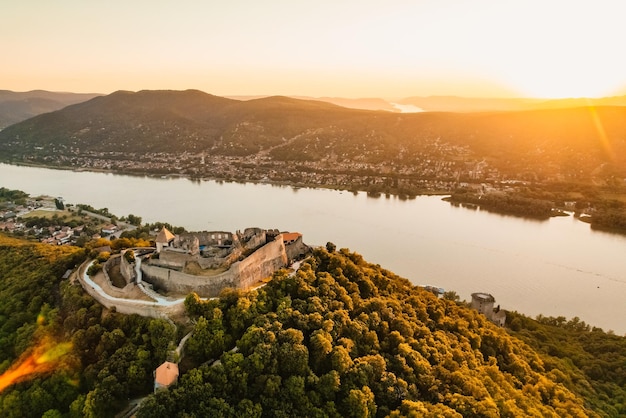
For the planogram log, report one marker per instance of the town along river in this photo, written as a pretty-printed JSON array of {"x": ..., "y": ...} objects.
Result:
[{"x": 554, "y": 267}]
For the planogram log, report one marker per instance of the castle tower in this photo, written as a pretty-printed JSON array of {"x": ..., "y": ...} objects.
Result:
[
  {"x": 163, "y": 239},
  {"x": 483, "y": 303}
]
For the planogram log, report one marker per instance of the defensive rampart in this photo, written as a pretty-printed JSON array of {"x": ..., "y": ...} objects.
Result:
[
  {"x": 242, "y": 274},
  {"x": 129, "y": 306},
  {"x": 107, "y": 286},
  {"x": 127, "y": 269}
]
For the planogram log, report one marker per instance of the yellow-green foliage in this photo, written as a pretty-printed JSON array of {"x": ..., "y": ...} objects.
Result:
[
  {"x": 343, "y": 337},
  {"x": 112, "y": 357},
  {"x": 29, "y": 277},
  {"x": 587, "y": 360}
]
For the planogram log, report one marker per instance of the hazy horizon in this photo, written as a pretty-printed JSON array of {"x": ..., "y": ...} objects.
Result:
[{"x": 370, "y": 49}]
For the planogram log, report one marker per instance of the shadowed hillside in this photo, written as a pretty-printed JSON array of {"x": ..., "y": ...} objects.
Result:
[
  {"x": 575, "y": 143},
  {"x": 18, "y": 106}
]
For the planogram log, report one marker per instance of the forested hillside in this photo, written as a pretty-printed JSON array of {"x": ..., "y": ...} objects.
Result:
[
  {"x": 341, "y": 337},
  {"x": 346, "y": 338},
  {"x": 570, "y": 142},
  {"x": 106, "y": 358},
  {"x": 18, "y": 106}
]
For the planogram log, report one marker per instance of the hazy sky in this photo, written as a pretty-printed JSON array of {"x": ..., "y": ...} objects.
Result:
[{"x": 349, "y": 48}]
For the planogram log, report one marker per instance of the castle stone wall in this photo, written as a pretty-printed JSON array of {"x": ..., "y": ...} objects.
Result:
[
  {"x": 171, "y": 259},
  {"x": 127, "y": 269},
  {"x": 296, "y": 249},
  {"x": 108, "y": 287},
  {"x": 242, "y": 274}
]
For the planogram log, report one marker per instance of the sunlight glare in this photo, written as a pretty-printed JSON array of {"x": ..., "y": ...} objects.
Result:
[{"x": 43, "y": 358}]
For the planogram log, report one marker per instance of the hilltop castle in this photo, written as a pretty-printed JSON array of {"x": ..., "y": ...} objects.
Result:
[{"x": 207, "y": 262}]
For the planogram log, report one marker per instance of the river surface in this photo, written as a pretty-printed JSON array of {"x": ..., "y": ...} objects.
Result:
[{"x": 554, "y": 267}]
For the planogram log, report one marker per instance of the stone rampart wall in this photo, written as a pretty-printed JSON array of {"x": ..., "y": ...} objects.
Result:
[
  {"x": 255, "y": 240},
  {"x": 242, "y": 274},
  {"x": 127, "y": 307},
  {"x": 107, "y": 286},
  {"x": 207, "y": 237},
  {"x": 296, "y": 249},
  {"x": 171, "y": 259},
  {"x": 127, "y": 269}
]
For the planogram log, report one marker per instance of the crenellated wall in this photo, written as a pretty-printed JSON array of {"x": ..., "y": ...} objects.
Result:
[{"x": 242, "y": 274}]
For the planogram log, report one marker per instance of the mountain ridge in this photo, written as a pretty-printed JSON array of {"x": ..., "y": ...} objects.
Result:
[
  {"x": 537, "y": 142},
  {"x": 18, "y": 106}
]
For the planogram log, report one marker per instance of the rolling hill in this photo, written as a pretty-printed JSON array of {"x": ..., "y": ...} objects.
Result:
[
  {"x": 18, "y": 106},
  {"x": 579, "y": 141}
]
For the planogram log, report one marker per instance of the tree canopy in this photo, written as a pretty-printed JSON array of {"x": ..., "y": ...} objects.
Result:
[
  {"x": 339, "y": 337},
  {"x": 342, "y": 337}
]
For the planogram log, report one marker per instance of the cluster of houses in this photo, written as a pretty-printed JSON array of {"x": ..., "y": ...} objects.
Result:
[
  {"x": 13, "y": 221},
  {"x": 64, "y": 235}
]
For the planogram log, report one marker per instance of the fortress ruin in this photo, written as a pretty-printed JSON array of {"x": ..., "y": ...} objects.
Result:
[{"x": 209, "y": 261}]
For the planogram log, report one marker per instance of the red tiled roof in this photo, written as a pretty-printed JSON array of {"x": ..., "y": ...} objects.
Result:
[
  {"x": 291, "y": 236},
  {"x": 166, "y": 374}
]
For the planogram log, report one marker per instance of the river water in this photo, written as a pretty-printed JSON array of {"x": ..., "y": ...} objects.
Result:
[{"x": 554, "y": 267}]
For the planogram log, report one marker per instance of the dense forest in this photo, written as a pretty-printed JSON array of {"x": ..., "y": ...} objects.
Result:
[
  {"x": 339, "y": 337},
  {"x": 346, "y": 338},
  {"x": 112, "y": 356}
]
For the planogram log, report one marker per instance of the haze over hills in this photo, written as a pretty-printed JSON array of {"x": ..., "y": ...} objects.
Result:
[
  {"x": 372, "y": 103},
  {"x": 18, "y": 106},
  {"x": 458, "y": 104},
  {"x": 575, "y": 143},
  {"x": 478, "y": 104}
]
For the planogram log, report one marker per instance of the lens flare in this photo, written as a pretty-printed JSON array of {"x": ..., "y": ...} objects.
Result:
[
  {"x": 604, "y": 139},
  {"x": 44, "y": 358}
]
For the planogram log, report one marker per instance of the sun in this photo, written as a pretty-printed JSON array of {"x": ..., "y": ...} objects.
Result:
[{"x": 566, "y": 81}]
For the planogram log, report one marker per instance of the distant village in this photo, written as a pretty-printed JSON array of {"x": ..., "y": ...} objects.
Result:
[
  {"x": 428, "y": 175},
  {"x": 50, "y": 221}
]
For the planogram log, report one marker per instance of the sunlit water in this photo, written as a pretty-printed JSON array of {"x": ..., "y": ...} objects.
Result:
[{"x": 555, "y": 267}]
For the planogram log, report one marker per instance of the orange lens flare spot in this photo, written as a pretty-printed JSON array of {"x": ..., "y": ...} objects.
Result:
[
  {"x": 54, "y": 353},
  {"x": 42, "y": 359}
]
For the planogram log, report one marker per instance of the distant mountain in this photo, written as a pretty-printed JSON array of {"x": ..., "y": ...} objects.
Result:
[
  {"x": 364, "y": 104},
  {"x": 174, "y": 121},
  {"x": 576, "y": 139},
  {"x": 468, "y": 104},
  {"x": 478, "y": 104},
  {"x": 18, "y": 106},
  {"x": 373, "y": 103}
]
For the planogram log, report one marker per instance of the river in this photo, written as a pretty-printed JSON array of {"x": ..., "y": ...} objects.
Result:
[{"x": 554, "y": 267}]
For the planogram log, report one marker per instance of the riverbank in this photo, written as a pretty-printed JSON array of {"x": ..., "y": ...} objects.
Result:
[{"x": 279, "y": 183}]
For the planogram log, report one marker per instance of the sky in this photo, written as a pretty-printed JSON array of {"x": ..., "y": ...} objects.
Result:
[{"x": 339, "y": 48}]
